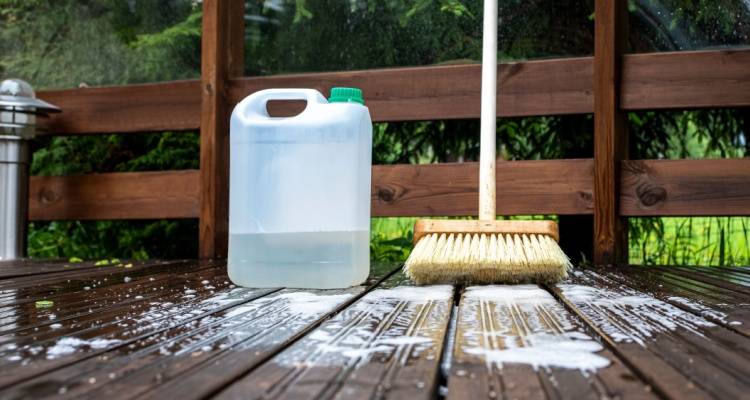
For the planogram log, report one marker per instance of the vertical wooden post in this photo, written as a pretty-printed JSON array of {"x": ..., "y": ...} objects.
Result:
[
  {"x": 222, "y": 57},
  {"x": 610, "y": 131}
]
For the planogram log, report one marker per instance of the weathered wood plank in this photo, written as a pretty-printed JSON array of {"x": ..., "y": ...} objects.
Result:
[
  {"x": 686, "y": 79},
  {"x": 165, "y": 106},
  {"x": 690, "y": 292},
  {"x": 128, "y": 195},
  {"x": 728, "y": 277},
  {"x": 208, "y": 353},
  {"x": 649, "y": 187},
  {"x": 528, "y": 187},
  {"x": 259, "y": 342},
  {"x": 685, "y": 187},
  {"x": 682, "y": 355},
  {"x": 386, "y": 345},
  {"x": 75, "y": 297},
  {"x": 541, "y": 87},
  {"x": 519, "y": 342},
  {"x": 714, "y": 78},
  {"x": 190, "y": 325},
  {"x": 115, "y": 313},
  {"x": 25, "y": 267},
  {"x": 610, "y": 132},
  {"x": 546, "y": 187}
]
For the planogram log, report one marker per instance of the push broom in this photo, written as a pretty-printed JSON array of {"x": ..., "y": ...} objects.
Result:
[{"x": 486, "y": 250}]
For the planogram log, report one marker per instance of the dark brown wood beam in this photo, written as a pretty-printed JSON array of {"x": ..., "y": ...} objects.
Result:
[
  {"x": 123, "y": 109},
  {"x": 685, "y": 187},
  {"x": 524, "y": 187},
  {"x": 610, "y": 132},
  {"x": 221, "y": 59},
  {"x": 694, "y": 79},
  {"x": 686, "y": 79},
  {"x": 563, "y": 187},
  {"x": 529, "y": 187},
  {"x": 561, "y": 86},
  {"x": 131, "y": 195}
]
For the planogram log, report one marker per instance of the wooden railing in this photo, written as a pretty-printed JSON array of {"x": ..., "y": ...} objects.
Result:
[{"x": 620, "y": 188}]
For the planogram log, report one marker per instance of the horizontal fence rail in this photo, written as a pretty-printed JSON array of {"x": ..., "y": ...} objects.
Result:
[
  {"x": 123, "y": 109},
  {"x": 685, "y": 187},
  {"x": 715, "y": 78},
  {"x": 523, "y": 187},
  {"x": 126, "y": 195},
  {"x": 649, "y": 188}
]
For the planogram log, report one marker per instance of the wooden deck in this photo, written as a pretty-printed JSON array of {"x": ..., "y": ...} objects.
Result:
[{"x": 181, "y": 330}]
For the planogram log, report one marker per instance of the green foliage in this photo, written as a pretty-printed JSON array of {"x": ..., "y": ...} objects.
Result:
[
  {"x": 104, "y": 239},
  {"x": 67, "y": 43},
  {"x": 690, "y": 241}
]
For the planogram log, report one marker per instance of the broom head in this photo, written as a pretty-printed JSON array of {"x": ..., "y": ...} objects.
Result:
[{"x": 478, "y": 252}]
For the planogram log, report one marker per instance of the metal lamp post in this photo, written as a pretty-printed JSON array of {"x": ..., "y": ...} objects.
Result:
[{"x": 19, "y": 109}]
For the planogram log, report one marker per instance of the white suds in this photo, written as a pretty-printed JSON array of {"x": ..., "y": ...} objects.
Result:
[
  {"x": 69, "y": 345},
  {"x": 411, "y": 293},
  {"x": 399, "y": 323},
  {"x": 524, "y": 324},
  {"x": 547, "y": 350},
  {"x": 704, "y": 310},
  {"x": 637, "y": 317}
]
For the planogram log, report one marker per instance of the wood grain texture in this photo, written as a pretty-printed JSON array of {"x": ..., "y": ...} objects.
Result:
[
  {"x": 686, "y": 79},
  {"x": 494, "y": 322},
  {"x": 122, "y": 109},
  {"x": 117, "y": 308},
  {"x": 681, "y": 354},
  {"x": 523, "y": 187},
  {"x": 685, "y": 187},
  {"x": 714, "y": 78},
  {"x": 131, "y": 195},
  {"x": 564, "y": 187},
  {"x": 710, "y": 296},
  {"x": 429, "y": 226},
  {"x": 610, "y": 133},
  {"x": 221, "y": 58},
  {"x": 386, "y": 345},
  {"x": 561, "y": 86},
  {"x": 528, "y": 187}
]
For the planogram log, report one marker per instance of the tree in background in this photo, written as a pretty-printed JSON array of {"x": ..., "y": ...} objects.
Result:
[{"x": 67, "y": 43}]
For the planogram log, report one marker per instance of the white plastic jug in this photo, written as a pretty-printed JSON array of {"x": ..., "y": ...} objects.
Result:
[{"x": 299, "y": 191}]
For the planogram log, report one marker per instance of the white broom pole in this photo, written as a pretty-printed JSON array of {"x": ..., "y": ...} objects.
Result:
[{"x": 488, "y": 113}]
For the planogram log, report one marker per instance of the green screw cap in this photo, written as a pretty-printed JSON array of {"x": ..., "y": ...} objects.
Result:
[{"x": 346, "y": 94}]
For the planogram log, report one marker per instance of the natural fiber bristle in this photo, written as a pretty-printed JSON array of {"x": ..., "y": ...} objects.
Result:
[{"x": 486, "y": 258}]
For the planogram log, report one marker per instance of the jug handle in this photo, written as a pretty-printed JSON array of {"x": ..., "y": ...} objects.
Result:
[{"x": 254, "y": 106}]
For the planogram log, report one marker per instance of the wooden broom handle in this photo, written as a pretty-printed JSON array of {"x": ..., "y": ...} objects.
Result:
[{"x": 488, "y": 114}]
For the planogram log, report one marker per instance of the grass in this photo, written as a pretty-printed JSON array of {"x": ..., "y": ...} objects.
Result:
[
  {"x": 654, "y": 241},
  {"x": 690, "y": 241}
]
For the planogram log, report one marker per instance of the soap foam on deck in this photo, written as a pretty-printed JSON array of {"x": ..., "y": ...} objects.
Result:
[
  {"x": 526, "y": 294},
  {"x": 704, "y": 310},
  {"x": 530, "y": 327},
  {"x": 639, "y": 316},
  {"x": 547, "y": 350},
  {"x": 69, "y": 345},
  {"x": 411, "y": 293},
  {"x": 382, "y": 323}
]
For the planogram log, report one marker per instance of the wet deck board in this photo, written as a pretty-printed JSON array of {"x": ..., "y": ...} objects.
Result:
[
  {"x": 519, "y": 342},
  {"x": 681, "y": 354},
  {"x": 720, "y": 301},
  {"x": 387, "y": 344},
  {"x": 180, "y": 329}
]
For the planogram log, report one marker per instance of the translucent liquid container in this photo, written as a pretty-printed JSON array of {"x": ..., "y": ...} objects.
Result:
[{"x": 299, "y": 191}]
